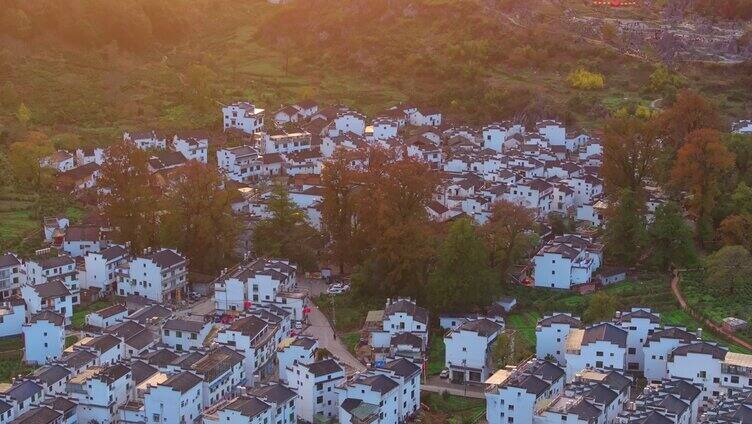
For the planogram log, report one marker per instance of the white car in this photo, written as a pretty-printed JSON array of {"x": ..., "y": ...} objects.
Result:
[
  {"x": 299, "y": 325},
  {"x": 444, "y": 373},
  {"x": 336, "y": 289}
]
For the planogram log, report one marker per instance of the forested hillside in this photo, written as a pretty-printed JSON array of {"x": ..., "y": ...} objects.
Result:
[{"x": 89, "y": 68}]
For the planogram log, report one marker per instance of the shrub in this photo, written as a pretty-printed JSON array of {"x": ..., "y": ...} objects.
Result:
[{"x": 585, "y": 80}]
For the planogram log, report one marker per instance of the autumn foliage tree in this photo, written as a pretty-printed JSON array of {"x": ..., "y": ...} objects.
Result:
[
  {"x": 700, "y": 163},
  {"x": 508, "y": 234},
  {"x": 340, "y": 185},
  {"x": 130, "y": 197},
  {"x": 690, "y": 112},
  {"x": 199, "y": 220}
]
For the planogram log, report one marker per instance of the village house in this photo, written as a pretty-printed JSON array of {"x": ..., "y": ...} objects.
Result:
[
  {"x": 137, "y": 339},
  {"x": 80, "y": 240},
  {"x": 400, "y": 315},
  {"x": 89, "y": 155},
  {"x": 316, "y": 385},
  {"x": 192, "y": 146},
  {"x": 12, "y": 275},
  {"x": 185, "y": 334},
  {"x": 514, "y": 394},
  {"x": 566, "y": 261},
  {"x": 639, "y": 323},
  {"x": 147, "y": 140},
  {"x": 52, "y": 295},
  {"x": 100, "y": 391},
  {"x": 601, "y": 346},
  {"x": 159, "y": 275},
  {"x": 244, "y": 116},
  {"x": 108, "y": 316},
  {"x": 468, "y": 350},
  {"x": 742, "y": 127},
  {"x": 284, "y": 143},
  {"x": 12, "y": 317},
  {"x": 101, "y": 268},
  {"x": 368, "y": 397},
  {"x": 240, "y": 164},
  {"x": 295, "y": 349},
  {"x": 60, "y": 161},
  {"x": 659, "y": 345},
  {"x": 674, "y": 401},
  {"x": 175, "y": 400},
  {"x": 80, "y": 178},
  {"x": 256, "y": 339},
  {"x": 44, "y": 337}
]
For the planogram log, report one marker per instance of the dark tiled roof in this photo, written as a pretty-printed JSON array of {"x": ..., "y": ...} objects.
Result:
[
  {"x": 602, "y": 394},
  {"x": 23, "y": 390},
  {"x": 114, "y": 372},
  {"x": 249, "y": 326},
  {"x": 560, "y": 319},
  {"x": 141, "y": 371},
  {"x": 148, "y": 312},
  {"x": 78, "y": 359},
  {"x": 484, "y": 327},
  {"x": 379, "y": 383},
  {"x": 327, "y": 366},
  {"x": 112, "y": 310},
  {"x": 674, "y": 405},
  {"x": 402, "y": 367},
  {"x": 182, "y": 381},
  {"x": 113, "y": 252},
  {"x": 40, "y": 415},
  {"x": 406, "y": 339},
  {"x": 184, "y": 325},
  {"x": 104, "y": 343},
  {"x": 531, "y": 384},
  {"x": 275, "y": 392},
  {"x": 672, "y": 333},
  {"x": 684, "y": 390},
  {"x": 60, "y": 404},
  {"x": 52, "y": 288},
  {"x": 248, "y": 406},
  {"x": 585, "y": 410},
  {"x": 306, "y": 342},
  {"x": 547, "y": 371},
  {"x": 54, "y": 261},
  {"x": 408, "y": 307},
  {"x": 655, "y": 418},
  {"x": 51, "y": 374},
  {"x": 639, "y": 313},
  {"x": 9, "y": 260},
  {"x": 605, "y": 332},
  {"x": 165, "y": 258},
  {"x": 50, "y": 316},
  {"x": 161, "y": 357},
  {"x": 82, "y": 233},
  {"x": 705, "y": 348}
]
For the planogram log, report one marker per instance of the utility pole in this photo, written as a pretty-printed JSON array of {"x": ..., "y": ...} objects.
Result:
[{"x": 334, "y": 317}]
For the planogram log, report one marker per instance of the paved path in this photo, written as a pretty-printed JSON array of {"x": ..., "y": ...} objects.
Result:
[
  {"x": 713, "y": 326},
  {"x": 437, "y": 385},
  {"x": 320, "y": 328}
]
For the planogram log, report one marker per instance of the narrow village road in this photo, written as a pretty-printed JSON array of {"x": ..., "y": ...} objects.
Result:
[{"x": 320, "y": 328}]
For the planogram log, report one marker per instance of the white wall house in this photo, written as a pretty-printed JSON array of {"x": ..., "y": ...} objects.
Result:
[
  {"x": 256, "y": 340},
  {"x": 100, "y": 391},
  {"x": 658, "y": 348},
  {"x": 82, "y": 239},
  {"x": 12, "y": 275},
  {"x": 551, "y": 335},
  {"x": 244, "y": 116},
  {"x": 12, "y": 317},
  {"x": 699, "y": 363},
  {"x": 513, "y": 394},
  {"x": 291, "y": 350},
  {"x": 281, "y": 399},
  {"x": 240, "y": 164},
  {"x": 176, "y": 400},
  {"x": 44, "y": 337},
  {"x": 185, "y": 334},
  {"x": 316, "y": 385},
  {"x": 400, "y": 316},
  {"x": 742, "y": 127},
  {"x": 159, "y": 275},
  {"x": 407, "y": 374},
  {"x": 108, "y": 316},
  {"x": 599, "y": 346},
  {"x": 193, "y": 148},
  {"x": 566, "y": 261},
  {"x": 376, "y": 394},
  {"x": 148, "y": 140},
  {"x": 52, "y": 295},
  {"x": 639, "y": 324},
  {"x": 101, "y": 268},
  {"x": 467, "y": 350},
  {"x": 285, "y": 143}
]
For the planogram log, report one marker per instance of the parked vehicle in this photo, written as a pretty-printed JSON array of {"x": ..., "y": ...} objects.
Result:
[{"x": 444, "y": 373}]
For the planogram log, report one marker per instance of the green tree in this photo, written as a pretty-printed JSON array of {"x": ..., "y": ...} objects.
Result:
[
  {"x": 199, "y": 220},
  {"x": 199, "y": 80},
  {"x": 670, "y": 238},
  {"x": 462, "y": 267},
  {"x": 24, "y": 157},
  {"x": 736, "y": 230},
  {"x": 728, "y": 270},
  {"x": 509, "y": 349},
  {"x": 601, "y": 307},
  {"x": 625, "y": 229},
  {"x": 287, "y": 233},
  {"x": 664, "y": 82},
  {"x": 630, "y": 153},
  {"x": 741, "y": 147},
  {"x": 741, "y": 199},
  {"x": 7, "y": 179}
]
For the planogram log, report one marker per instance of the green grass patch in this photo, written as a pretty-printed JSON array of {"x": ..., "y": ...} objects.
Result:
[
  {"x": 436, "y": 352},
  {"x": 70, "y": 341},
  {"x": 79, "y": 315},
  {"x": 346, "y": 311},
  {"x": 350, "y": 340},
  {"x": 11, "y": 358},
  {"x": 451, "y": 408}
]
